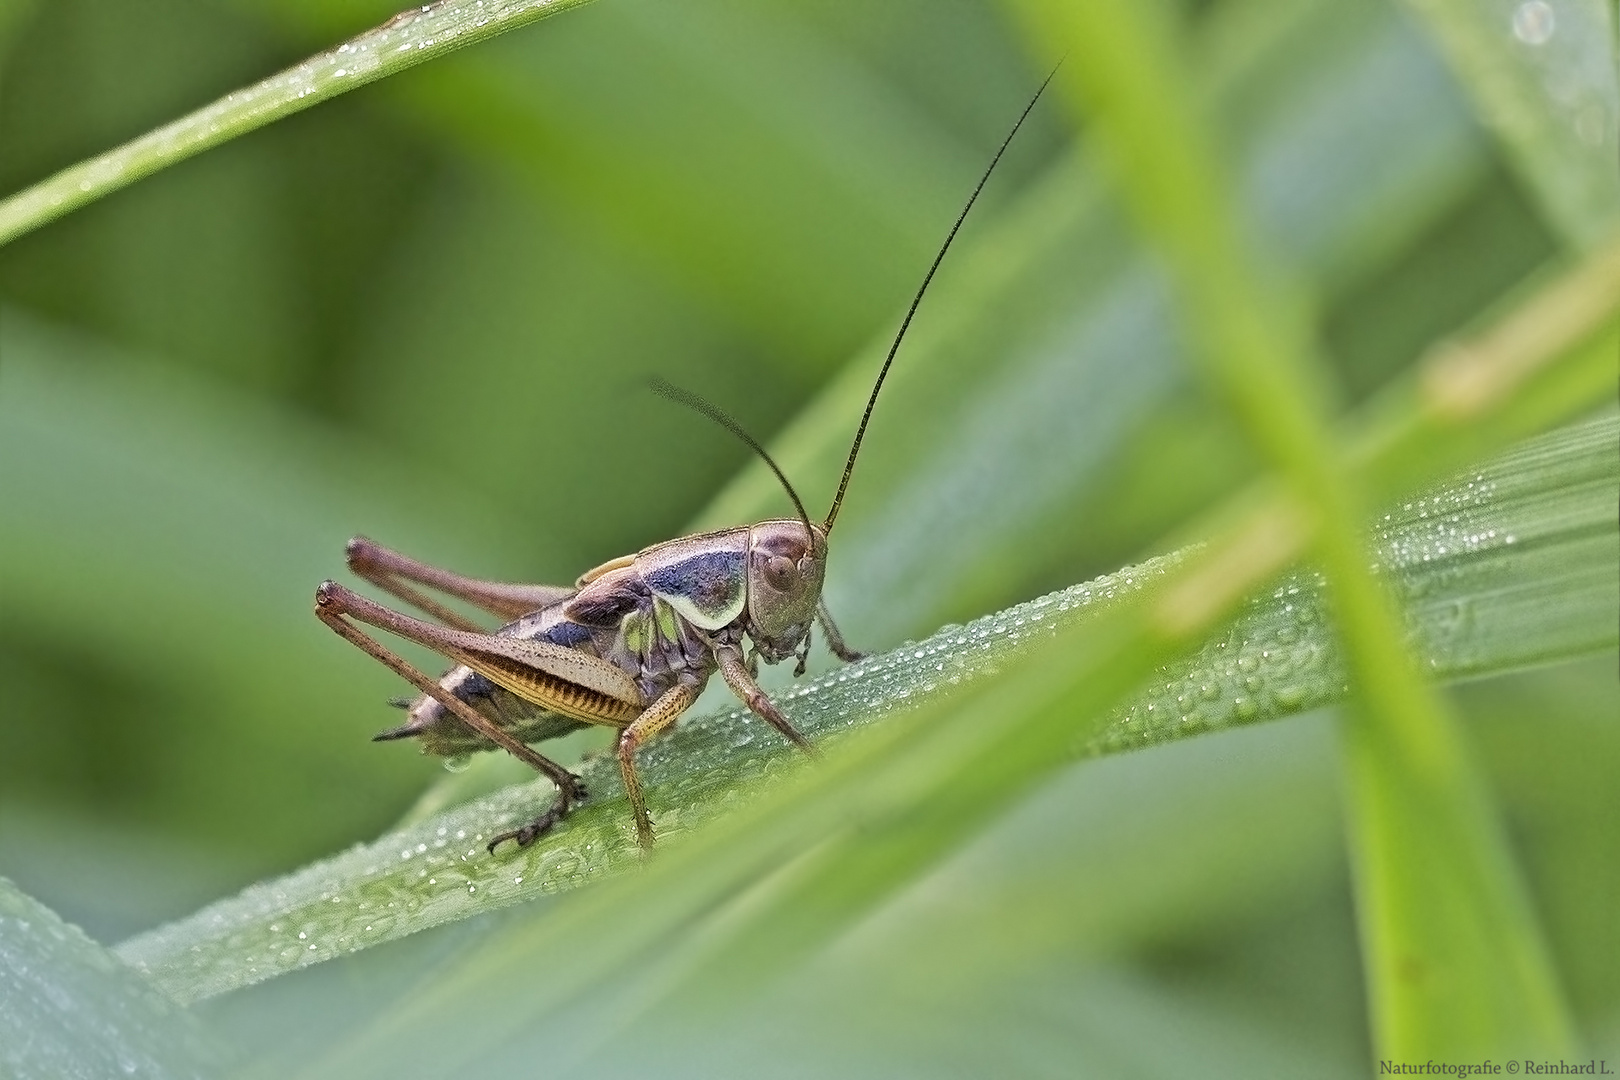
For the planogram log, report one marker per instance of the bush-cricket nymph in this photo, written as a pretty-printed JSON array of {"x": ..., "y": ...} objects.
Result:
[{"x": 630, "y": 644}]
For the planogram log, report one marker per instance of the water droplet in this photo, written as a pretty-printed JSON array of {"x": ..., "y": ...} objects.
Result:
[
  {"x": 1289, "y": 697},
  {"x": 1534, "y": 22},
  {"x": 457, "y": 763}
]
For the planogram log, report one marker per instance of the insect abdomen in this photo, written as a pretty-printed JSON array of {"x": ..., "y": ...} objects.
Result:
[{"x": 442, "y": 734}]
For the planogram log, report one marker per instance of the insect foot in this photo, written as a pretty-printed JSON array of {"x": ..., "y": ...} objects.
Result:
[{"x": 573, "y": 793}]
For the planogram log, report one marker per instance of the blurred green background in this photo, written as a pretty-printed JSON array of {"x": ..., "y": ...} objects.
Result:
[{"x": 426, "y": 311}]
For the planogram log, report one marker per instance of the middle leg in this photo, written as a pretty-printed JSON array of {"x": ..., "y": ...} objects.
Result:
[{"x": 659, "y": 715}]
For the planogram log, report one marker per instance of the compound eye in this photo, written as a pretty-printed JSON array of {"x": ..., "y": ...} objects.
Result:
[{"x": 782, "y": 574}]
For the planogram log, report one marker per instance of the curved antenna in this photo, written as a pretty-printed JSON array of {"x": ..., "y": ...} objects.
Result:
[
  {"x": 708, "y": 408},
  {"x": 871, "y": 402}
]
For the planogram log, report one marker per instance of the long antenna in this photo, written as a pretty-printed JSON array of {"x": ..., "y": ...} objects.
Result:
[
  {"x": 720, "y": 416},
  {"x": 871, "y": 402}
]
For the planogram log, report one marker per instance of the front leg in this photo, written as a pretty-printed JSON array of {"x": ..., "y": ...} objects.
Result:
[
  {"x": 835, "y": 640},
  {"x": 735, "y": 672}
]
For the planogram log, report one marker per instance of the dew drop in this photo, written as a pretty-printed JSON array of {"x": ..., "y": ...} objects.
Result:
[
  {"x": 1534, "y": 22},
  {"x": 1289, "y": 697}
]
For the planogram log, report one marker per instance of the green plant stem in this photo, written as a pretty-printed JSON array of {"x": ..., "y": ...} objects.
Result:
[
  {"x": 408, "y": 39},
  {"x": 1455, "y": 959}
]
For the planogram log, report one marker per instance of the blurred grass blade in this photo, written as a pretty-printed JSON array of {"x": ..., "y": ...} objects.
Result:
[
  {"x": 70, "y": 1008},
  {"x": 149, "y": 492},
  {"x": 1512, "y": 566},
  {"x": 1456, "y": 961},
  {"x": 1484, "y": 565},
  {"x": 409, "y": 38},
  {"x": 1544, "y": 75},
  {"x": 836, "y": 161},
  {"x": 1548, "y": 359}
]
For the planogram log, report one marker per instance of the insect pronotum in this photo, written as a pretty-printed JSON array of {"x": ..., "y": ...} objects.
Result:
[{"x": 632, "y": 643}]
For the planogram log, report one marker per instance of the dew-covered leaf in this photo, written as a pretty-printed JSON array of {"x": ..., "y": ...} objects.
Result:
[
  {"x": 71, "y": 1010},
  {"x": 1508, "y": 566}
]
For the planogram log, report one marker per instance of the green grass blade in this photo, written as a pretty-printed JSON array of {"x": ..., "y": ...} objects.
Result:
[
  {"x": 70, "y": 1008},
  {"x": 1456, "y": 960},
  {"x": 148, "y": 493},
  {"x": 408, "y": 39},
  {"x": 1544, "y": 77},
  {"x": 1492, "y": 388},
  {"x": 437, "y": 871},
  {"x": 1537, "y": 524},
  {"x": 1511, "y": 567},
  {"x": 718, "y": 919}
]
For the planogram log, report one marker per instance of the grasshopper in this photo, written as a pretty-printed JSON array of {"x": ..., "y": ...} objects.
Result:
[{"x": 630, "y": 644}]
